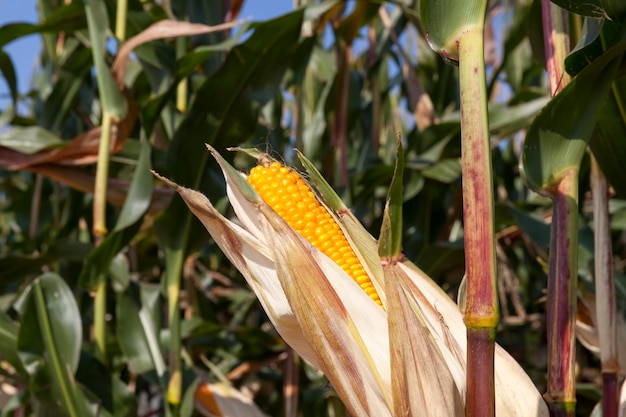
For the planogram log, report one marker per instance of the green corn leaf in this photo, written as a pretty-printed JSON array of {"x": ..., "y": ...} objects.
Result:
[
  {"x": 558, "y": 137},
  {"x": 29, "y": 140},
  {"x": 62, "y": 99},
  {"x": 137, "y": 332},
  {"x": 65, "y": 18},
  {"x": 445, "y": 21},
  {"x": 589, "y": 8},
  {"x": 609, "y": 142},
  {"x": 390, "y": 239},
  {"x": 140, "y": 192},
  {"x": 8, "y": 343},
  {"x": 115, "y": 396},
  {"x": 98, "y": 23},
  {"x": 98, "y": 262},
  {"x": 49, "y": 342},
  {"x": 138, "y": 199},
  {"x": 7, "y": 69},
  {"x": 588, "y": 48}
]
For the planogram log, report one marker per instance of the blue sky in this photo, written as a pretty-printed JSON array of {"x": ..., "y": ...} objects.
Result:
[{"x": 25, "y": 51}]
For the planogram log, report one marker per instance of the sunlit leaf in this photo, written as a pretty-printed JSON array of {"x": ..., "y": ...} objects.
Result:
[
  {"x": 445, "y": 22},
  {"x": 29, "y": 140},
  {"x": 590, "y": 8},
  {"x": 98, "y": 24},
  {"x": 49, "y": 342},
  {"x": 66, "y": 17},
  {"x": 137, "y": 332},
  {"x": 140, "y": 191},
  {"x": 558, "y": 137},
  {"x": 588, "y": 48},
  {"x": 7, "y": 69},
  {"x": 390, "y": 239}
]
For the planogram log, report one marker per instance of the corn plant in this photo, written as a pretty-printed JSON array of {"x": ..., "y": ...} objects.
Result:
[{"x": 394, "y": 215}]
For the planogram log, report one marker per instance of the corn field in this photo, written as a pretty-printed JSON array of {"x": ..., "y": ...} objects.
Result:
[{"x": 355, "y": 208}]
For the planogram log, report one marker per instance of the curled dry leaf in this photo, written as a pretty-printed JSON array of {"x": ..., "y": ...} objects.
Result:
[
  {"x": 117, "y": 189},
  {"x": 81, "y": 150},
  {"x": 160, "y": 30}
]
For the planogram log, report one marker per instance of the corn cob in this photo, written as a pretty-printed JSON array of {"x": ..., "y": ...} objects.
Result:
[{"x": 290, "y": 196}]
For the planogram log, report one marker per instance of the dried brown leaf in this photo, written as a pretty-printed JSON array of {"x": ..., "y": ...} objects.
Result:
[{"x": 160, "y": 30}]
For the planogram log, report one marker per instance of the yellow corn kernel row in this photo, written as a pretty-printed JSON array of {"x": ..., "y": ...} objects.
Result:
[{"x": 290, "y": 196}]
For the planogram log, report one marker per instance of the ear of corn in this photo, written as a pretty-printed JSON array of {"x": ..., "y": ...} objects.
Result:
[{"x": 290, "y": 196}]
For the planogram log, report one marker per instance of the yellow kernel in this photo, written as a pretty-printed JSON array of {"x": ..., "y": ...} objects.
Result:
[{"x": 289, "y": 195}]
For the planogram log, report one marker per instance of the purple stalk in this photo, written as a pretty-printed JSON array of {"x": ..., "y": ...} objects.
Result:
[
  {"x": 605, "y": 291},
  {"x": 561, "y": 303},
  {"x": 563, "y": 275},
  {"x": 481, "y": 305}
]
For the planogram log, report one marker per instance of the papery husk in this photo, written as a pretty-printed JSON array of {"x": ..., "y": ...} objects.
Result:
[
  {"x": 220, "y": 400},
  {"x": 327, "y": 318},
  {"x": 254, "y": 260},
  {"x": 346, "y": 330},
  {"x": 516, "y": 395},
  {"x": 423, "y": 382}
]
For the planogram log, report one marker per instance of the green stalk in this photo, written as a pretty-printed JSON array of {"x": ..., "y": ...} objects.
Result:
[
  {"x": 174, "y": 262},
  {"x": 93, "y": 10},
  {"x": 182, "y": 87},
  {"x": 561, "y": 300},
  {"x": 120, "y": 20},
  {"x": 99, "y": 318},
  {"x": 100, "y": 230},
  {"x": 481, "y": 308},
  {"x": 605, "y": 291}
]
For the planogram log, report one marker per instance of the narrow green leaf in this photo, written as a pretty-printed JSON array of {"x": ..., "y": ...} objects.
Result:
[
  {"x": 113, "y": 394},
  {"x": 226, "y": 105},
  {"x": 137, "y": 331},
  {"x": 8, "y": 343},
  {"x": 49, "y": 342},
  {"x": 447, "y": 171},
  {"x": 329, "y": 196},
  {"x": 98, "y": 262},
  {"x": 557, "y": 139},
  {"x": 140, "y": 192},
  {"x": 609, "y": 142},
  {"x": 7, "y": 69},
  {"x": 224, "y": 112},
  {"x": 390, "y": 239},
  {"x": 14, "y": 268},
  {"x": 29, "y": 140},
  {"x": 98, "y": 23},
  {"x": 65, "y": 18},
  {"x": 589, "y": 8},
  {"x": 184, "y": 67},
  {"x": 71, "y": 77},
  {"x": 588, "y": 48}
]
